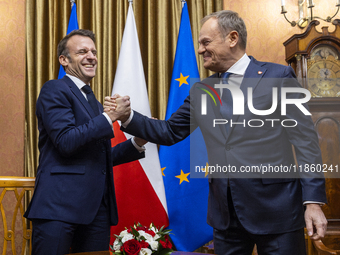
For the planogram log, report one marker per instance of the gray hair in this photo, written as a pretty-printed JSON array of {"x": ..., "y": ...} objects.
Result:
[{"x": 227, "y": 22}]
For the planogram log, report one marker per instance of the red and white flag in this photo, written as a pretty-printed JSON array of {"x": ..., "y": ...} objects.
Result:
[{"x": 139, "y": 185}]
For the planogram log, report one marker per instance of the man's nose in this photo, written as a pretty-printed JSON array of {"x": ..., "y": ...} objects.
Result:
[
  {"x": 201, "y": 49},
  {"x": 90, "y": 55}
]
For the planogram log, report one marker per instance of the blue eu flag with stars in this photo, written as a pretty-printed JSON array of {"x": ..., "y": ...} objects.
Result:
[{"x": 187, "y": 198}]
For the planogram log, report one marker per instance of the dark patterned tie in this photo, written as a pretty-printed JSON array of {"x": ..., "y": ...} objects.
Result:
[
  {"x": 91, "y": 98},
  {"x": 226, "y": 109}
]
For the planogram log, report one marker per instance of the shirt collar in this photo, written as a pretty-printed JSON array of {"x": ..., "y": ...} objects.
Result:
[
  {"x": 79, "y": 83},
  {"x": 240, "y": 66}
]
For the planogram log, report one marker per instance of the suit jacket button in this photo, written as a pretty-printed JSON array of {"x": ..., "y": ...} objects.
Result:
[
  {"x": 228, "y": 147},
  {"x": 104, "y": 171}
]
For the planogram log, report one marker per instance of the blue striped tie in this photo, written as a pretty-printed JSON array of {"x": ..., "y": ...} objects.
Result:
[{"x": 91, "y": 99}]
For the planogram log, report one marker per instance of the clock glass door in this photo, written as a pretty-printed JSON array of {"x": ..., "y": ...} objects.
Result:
[{"x": 324, "y": 72}]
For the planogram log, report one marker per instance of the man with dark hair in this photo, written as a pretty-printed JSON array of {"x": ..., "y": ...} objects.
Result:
[
  {"x": 74, "y": 202},
  {"x": 62, "y": 46},
  {"x": 247, "y": 209}
]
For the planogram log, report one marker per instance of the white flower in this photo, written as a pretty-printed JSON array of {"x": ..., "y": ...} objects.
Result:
[
  {"x": 116, "y": 245},
  {"x": 154, "y": 229},
  {"x": 156, "y": 237},
  {"x": 145, "y": 251},
  {"x": 127, "y": 237},
  {"x": 153, "y": 245},
  {"x": 147, "y": 236},
  {"x": 123, "y": 233}
]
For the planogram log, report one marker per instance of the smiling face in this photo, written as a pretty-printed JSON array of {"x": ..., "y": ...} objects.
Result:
[
  {"x": 81, "y": 61},
  {"x": 219, "y": 53}
]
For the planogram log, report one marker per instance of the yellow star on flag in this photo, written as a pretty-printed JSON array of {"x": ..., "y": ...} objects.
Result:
[
  {"x": 205, "y": 169},
  {"x": 182, "y": 177},
  {"x": 163, "y": 168},
  {"x": 182, "y": 79}
]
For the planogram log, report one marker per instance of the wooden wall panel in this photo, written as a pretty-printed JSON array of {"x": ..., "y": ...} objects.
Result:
[
  {"x": 12, "y": 86},
  {"x": 268, "y": 29}
]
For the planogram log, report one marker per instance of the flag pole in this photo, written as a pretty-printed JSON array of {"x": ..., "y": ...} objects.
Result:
[{"x": 72, "y": 3}]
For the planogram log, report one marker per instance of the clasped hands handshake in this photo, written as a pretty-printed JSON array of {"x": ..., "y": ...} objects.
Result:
[{"x": 118, "y": 108}]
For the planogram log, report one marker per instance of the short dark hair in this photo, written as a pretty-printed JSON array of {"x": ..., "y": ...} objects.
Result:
[
  {"x": 227, "y": 22},
  {"x": 63, "y": 50}
]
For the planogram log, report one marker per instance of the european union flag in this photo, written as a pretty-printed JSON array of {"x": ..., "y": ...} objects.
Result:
[
  {"x": 187, "y": 198},
  {"x": 72, "y": 25}
]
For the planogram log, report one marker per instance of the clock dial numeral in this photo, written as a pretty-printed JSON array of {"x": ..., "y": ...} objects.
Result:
[{"x": 324, "y": 78}]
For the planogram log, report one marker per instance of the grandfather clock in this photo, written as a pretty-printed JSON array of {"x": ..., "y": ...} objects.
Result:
[{"x": 315, "y": 57}]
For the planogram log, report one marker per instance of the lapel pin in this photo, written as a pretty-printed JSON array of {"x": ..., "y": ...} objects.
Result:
[{"x": 259, "y": 72}]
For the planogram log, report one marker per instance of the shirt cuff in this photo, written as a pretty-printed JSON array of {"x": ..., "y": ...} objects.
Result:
[
  {"x": 108, "y": 118},
  {"x": 313, "y": 202},
  {"x": 139, "y": 148},
  {"x": 127, "y": 122}
]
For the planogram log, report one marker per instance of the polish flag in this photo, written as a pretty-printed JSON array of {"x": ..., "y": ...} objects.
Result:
[{"x": 139, "y": 185}]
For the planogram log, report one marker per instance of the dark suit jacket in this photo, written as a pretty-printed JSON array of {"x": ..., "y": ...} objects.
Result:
[
  {"x": 76, "y": 157},
  {"x": 263, "y": 205}
]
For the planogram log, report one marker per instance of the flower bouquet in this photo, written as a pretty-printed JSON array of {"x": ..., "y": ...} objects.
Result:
[{"x": 140, "y": 240}]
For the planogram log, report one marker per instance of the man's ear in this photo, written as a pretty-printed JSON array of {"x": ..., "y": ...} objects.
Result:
[
  {"x": 63, "y": 60},
  {"x": 233, "y": 38}
]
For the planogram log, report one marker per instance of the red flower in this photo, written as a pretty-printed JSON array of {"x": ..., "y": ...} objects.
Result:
[
  {"x": 150, "y": 232},
  {"x": 132, "y": 247},
  {"x": 144, "y": 244},
  {"x": 167, "y": 244},
  {"x": 145, "y": 229},
  {"x": 141, "y": 228}
]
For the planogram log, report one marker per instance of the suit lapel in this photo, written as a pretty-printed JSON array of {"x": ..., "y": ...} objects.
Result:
[
  {"x": 251, "y": 79},
  {"x": 252, "y": 76},
  {"x": 211, "y": 81},
  {"x": 76, "y": 91}
]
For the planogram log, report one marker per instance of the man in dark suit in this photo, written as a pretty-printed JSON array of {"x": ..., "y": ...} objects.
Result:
[
  {"x": 74, "y": 200},
  {"x": 268, "y": 212}
]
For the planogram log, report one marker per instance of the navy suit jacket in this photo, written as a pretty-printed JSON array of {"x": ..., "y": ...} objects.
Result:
[
  {"x": 263, "y": 205},
  {"x": 76, "y": 157}
]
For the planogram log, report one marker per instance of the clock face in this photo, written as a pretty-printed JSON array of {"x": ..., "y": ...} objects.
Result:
[
  {"x": 324, "y": 74},
  {"x": 324, "y": 79}
]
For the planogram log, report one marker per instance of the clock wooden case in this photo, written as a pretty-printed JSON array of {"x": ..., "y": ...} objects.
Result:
[{"x": 315, "y": 57}]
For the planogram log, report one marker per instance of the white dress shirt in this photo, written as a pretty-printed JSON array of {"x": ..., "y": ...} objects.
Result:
[{"x": 79, "y": 83}]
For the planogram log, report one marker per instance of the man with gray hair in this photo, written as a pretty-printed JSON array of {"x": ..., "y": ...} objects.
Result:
[{"x": 247, "y": 209}]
